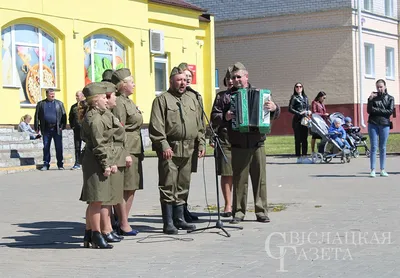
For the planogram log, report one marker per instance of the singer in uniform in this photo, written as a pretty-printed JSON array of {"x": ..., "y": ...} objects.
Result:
[
  {"x": 174, "y": 127},
  {"x": 201, "y": 139},
  {"x": 248, "y": 157}
]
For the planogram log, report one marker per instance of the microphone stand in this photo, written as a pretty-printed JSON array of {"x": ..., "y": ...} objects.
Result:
[{"x": 217, "y": 146}]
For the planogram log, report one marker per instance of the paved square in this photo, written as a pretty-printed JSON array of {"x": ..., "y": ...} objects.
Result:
[{"x": 338, "y": 222}]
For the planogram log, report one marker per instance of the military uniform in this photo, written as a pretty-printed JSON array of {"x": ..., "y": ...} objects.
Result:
[
  {"x": 248, "y": 157},
  {"x": 98, "y": 154},
  {"x": 174, "y": 123},
  {"x": 131, "y": 118}
]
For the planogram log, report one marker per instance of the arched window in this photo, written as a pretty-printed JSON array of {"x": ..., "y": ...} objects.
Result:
[
  {"x": 29, "y": 61},
  {"x": 102, "y": 52}
]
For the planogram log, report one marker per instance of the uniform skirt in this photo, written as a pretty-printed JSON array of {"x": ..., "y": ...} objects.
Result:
[
  {"x": 117, "y": 187},
  {"x": 133, "y": 176},
  {"x": 96, "y": 187}
]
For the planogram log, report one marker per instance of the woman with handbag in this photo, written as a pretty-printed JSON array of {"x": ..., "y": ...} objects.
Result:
[
  {"x": 299, "y": 106},
  {"x": 380, "y": 108}
]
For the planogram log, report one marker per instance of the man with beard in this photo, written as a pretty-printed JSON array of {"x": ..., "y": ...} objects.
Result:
[{"x": 174, "y": 127}]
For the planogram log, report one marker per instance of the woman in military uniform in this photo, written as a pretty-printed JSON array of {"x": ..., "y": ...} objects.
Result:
[
  {"x": 97, "y": 162},
  {"x": 122, "y": 159},
  {"x": 131, "y": 118}
]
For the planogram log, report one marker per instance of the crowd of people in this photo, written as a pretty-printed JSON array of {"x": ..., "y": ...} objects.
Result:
[
  {"x": 380, "y": 108},
  {"x": 109, "y": 123}
]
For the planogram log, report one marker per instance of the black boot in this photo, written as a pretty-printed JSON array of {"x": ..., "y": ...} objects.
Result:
[
  {"x": 189, "y": 215},
  {"x": 111, "y": 238},
  {"x": 179, "y": 220},
  {"x": 87, "y": 239},
  {"x": 98, "y": 241},
  {"x": 168, "y": 227},
  {"x": 115, "y": 234}
]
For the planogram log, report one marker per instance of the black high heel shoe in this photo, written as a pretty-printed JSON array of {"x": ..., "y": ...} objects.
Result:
[
  {"x": 98, "y": 241},
  {"x": 110, "y": 238},
  {"x": 115, "y": 234},
  {"x": 87, "y": 239}
]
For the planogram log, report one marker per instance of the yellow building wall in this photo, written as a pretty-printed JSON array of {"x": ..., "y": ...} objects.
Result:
[{"x": 70, "y": 22}]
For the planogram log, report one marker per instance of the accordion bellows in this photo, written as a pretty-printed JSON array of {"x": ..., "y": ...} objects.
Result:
[{"x": 249, "y": 110}]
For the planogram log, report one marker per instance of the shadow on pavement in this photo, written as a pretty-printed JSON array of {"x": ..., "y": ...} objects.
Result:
[{"x": 48, "y": 235}]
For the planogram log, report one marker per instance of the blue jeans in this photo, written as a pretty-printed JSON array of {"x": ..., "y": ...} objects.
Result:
[
  {"x": 49, "y": 134},
  {"x": 376, "y": 132},
  {"x": 341, "y": 143}
]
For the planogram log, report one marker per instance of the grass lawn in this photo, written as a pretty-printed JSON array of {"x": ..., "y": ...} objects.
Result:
[{"x": 284, "y": 145}]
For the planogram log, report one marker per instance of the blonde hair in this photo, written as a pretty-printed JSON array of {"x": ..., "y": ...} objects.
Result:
[
  {"x": 24, "y": 117},
  {"x": 121, "y": 83}
]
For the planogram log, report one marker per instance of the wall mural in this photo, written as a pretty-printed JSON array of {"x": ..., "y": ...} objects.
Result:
[
  {"x": 28, "y": 61},
  {"x": 102, "y": 52}
]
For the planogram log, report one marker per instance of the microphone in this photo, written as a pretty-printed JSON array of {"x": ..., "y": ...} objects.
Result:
[{"x": 190, "y": 89}]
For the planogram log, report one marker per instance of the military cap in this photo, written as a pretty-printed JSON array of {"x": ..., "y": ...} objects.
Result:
[
  {"x": 107, "y": 74},
  {"x": 110, "y": 87},
  {"x": 120, "y": 75},
  {"x": 227, "y": 75},
  {"x": 238, "y": 66},
  {"x": 175, "y": 71},
  {"x": 94, "y": 88},
  {"x": 183, "y": 66}
]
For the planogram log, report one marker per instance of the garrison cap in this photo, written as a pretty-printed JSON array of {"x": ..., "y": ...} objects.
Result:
[
  {"x": 120, "y": 75},
  {"x": 94, "y": 88},
  {"x": 107, "y": 74},
  {"x": 238, "y": 66},
  {"x": 175, "y": 71},
  {"x": 183, "y": 66},
  {"x": 227, "y": 75},
  {"x": 110, "y": 87}
]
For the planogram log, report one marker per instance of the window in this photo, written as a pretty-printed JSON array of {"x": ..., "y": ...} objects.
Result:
[
  {"x": 389, "y": 8},
  {"x": 369, "y": 60},
  {"x": 389, "y": 62},
  {"x": 102, "y": 52},
  {"x": 161, "y": 73},
  {"x": 368, "y": 5},
  {"x": 29, "y": 61}
]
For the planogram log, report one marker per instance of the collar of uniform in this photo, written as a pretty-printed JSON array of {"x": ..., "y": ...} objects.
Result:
[{"x": 175, "y": 93}]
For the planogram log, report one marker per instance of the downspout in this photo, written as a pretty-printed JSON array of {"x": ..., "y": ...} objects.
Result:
[{"x": 360, "y": 63}]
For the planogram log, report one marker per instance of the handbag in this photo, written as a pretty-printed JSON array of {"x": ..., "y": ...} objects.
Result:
[
  {"x": 305, "y": 121},
  {"x": 390, "y": 125}
]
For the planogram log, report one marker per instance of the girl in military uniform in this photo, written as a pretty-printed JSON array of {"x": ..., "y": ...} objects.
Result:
[
  {"x": 97, "y": 161},
  {"x": 131, "y": 118},
  {"x": 122, "y": 159}
]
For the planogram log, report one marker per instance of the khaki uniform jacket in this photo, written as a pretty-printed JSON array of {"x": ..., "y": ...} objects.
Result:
[
  {"x": 175, "y": 123},
  {"x": 98, "y": 155},
  {"x": 119, "y": 152},
  {"x": 131, "y": 118}
]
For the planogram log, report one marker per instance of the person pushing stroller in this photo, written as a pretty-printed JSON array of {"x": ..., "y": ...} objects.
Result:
[{"x": 337, "y": 133}]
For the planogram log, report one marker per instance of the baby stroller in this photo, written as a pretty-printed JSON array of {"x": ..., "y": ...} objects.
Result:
[
  {"x": 327, "y": 148},
  {"x": 354, "y": 137}
]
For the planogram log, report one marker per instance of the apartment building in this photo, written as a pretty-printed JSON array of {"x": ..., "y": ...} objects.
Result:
[{"x": 315, "y": 42}]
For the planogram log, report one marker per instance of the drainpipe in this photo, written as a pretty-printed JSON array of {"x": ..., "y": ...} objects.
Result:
[{"x": 360, "y": 63}]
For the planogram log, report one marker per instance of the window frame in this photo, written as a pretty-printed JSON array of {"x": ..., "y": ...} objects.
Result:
[
  {"x": 389, "y": 8},
  {"x": 392, "y": 68},
  {"x": 162, "y": 59},
  {"x": 368, "y": 5},
  {"x": 113, "y": 52},
  {"x": 38, "y": 45},
  {"x": 371, "y": 55}
]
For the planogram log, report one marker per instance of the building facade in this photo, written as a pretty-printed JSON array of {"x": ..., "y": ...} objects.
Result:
[
  {"x": 312, "y": 42},
  {"x": 66, "y": 44}
]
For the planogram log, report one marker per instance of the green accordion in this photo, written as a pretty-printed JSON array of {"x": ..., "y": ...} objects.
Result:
[{"x": 250, "y": 113}]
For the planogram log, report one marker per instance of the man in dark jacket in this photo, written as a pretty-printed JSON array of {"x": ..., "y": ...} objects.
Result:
[
  {"x": 50, "y": 120},
  {"x": 76, "y": 127},
  {"x": 248, "y": 156}
]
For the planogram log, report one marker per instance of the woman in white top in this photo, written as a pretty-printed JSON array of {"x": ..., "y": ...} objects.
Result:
[{"x": 25, "y": 127}]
